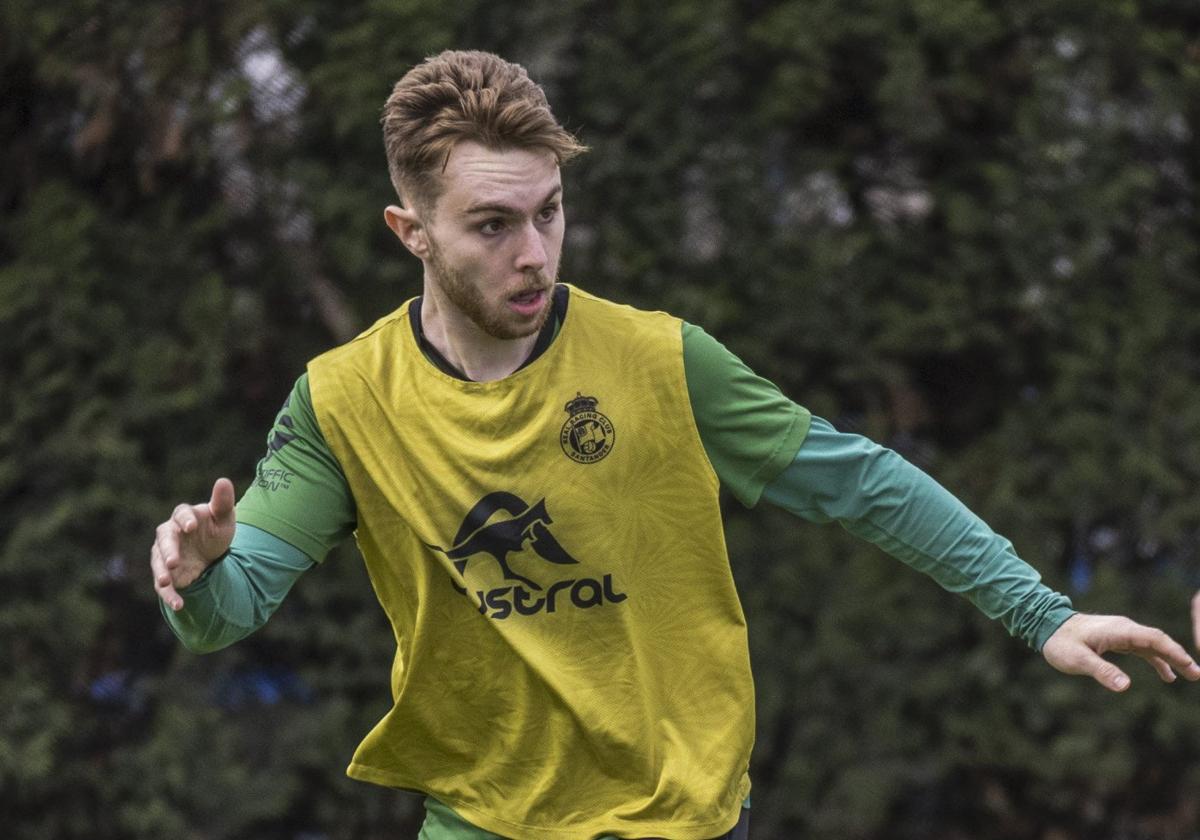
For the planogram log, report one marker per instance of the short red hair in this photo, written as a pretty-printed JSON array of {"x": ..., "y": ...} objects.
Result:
[{"x": 464, "y": 95}]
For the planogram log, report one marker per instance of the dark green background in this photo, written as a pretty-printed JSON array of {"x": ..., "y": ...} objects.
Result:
[{"x": 966, "y": 229}]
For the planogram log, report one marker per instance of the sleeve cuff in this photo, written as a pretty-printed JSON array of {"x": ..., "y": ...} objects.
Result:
[
  {"x": 1049, "y": 624},
  {"x": 312, "y": 547}
]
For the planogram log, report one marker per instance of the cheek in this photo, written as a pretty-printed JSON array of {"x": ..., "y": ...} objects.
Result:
[
  {"x": 490, "y": 270},
  {"x": 554, "y": 239},
  {"x": 473, "y": 261}
]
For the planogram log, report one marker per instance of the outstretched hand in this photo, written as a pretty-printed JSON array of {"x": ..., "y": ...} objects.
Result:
[
  {"x": 1076, "y": 648},
  {"x": 188, "y": 543}
]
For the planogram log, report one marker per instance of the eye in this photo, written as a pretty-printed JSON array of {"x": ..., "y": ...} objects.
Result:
[
  {"x": 492, "y": 227},
  {"x": 548, "y": 213}
]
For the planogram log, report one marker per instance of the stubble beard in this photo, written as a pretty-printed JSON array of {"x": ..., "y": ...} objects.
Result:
[{"x": 468, "y": 299}]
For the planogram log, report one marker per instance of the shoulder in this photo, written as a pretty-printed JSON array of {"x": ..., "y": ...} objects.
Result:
[
  {"x": 381, "y": 337},
  {"x": 591, "y": 308},
  {"x": 341, "y": 377}
]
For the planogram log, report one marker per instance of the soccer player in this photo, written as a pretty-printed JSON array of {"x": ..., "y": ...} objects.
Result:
[{"x": 531, "y": 474}]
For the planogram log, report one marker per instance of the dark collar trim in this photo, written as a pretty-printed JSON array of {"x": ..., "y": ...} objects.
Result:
[{"x": 558, "y": 314}]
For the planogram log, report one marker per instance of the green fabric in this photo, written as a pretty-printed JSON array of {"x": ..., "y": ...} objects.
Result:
[
  {"x": 441, "y": 823},
  {"x": 749, "y": 429},
  {"x": 236, "y": 596},
  {"x": 878, "y": 496},
  {"x": 299, "y": 493}
]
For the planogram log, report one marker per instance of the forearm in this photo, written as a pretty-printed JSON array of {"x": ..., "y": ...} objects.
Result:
[
  {"x": 963, "y": 555},
  {"x": 237, "y": 595},
  {"x": 877, "y": 495}
]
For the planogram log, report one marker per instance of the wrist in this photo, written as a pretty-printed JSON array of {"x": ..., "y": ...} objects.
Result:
[{"x": 201, "y": 581}]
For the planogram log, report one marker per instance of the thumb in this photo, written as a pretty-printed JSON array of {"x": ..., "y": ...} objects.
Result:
[{"x": 222, "y": 501}]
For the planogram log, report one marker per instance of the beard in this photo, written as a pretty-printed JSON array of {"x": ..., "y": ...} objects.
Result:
[{"x": 496, "y": 321}]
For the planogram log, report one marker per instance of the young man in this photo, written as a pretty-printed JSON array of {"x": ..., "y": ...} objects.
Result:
[{"x": 532, "y": 474}]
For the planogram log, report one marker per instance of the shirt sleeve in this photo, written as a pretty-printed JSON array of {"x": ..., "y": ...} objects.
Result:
[
  {"x": 300, "y": 493},
  {"x": 878, "y": 496},
  {"x": 236, "y": 596},
  {"x": 748, "y": 428}
]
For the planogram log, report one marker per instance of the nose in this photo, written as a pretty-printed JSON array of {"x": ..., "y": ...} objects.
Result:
[{"x": 531, "y": 250}]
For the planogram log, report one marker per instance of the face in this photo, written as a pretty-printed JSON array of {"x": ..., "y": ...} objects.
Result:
[{"x": 495, "y": 237}]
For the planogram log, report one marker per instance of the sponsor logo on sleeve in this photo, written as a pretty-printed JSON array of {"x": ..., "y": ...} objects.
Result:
[{"x": 271, "y": 478}]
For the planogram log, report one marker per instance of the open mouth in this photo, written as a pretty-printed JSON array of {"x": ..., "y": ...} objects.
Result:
[{"x": 528, "y": 303}]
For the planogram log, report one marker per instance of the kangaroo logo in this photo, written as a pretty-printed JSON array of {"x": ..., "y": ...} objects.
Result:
[{"x": 504, "y": 536}]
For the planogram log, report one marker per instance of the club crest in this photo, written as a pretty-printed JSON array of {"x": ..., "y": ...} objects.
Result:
[{"x": 588, "y": 435}]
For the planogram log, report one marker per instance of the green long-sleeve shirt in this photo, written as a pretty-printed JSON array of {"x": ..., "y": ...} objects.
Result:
[{"x": 761, "y": 445}]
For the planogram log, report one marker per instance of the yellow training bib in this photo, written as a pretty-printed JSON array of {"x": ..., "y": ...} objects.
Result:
[{"x": 571, "y": 656}]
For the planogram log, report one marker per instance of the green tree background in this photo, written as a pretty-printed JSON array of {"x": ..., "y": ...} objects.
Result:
[{"x": 967, "y": 230}]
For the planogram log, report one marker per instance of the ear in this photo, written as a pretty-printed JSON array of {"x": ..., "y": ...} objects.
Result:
[{"x": 409, "y": 229}]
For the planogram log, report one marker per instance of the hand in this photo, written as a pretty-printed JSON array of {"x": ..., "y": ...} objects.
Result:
[
  {"x": 1076, "y": 648},
  {"x": 188, "y": 543}
]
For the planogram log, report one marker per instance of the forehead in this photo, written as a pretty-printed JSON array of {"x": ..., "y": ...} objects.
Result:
[{"x": 477, "y": 175}]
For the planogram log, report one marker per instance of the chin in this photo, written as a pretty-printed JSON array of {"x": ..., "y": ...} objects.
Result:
[{"x": 512, "y": 328}]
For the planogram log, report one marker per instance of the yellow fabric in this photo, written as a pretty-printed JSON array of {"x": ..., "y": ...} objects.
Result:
[{"x": 617, "y": 698}]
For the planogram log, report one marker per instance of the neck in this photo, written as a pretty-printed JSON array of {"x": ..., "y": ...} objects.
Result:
[{"x": 481, "y": 357}]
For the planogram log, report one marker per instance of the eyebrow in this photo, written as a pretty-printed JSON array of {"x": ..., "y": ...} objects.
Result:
[{"x": 506, "y": 209}]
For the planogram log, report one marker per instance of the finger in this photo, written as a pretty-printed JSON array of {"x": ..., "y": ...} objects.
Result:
[
  {"x": 1165, "y": 672},
  {"x": 1101, "y": 670},
  {"x": 1148, "y": 641},
  {"x": 1196, "y": 619},
  {"x": 185, "y": 518},
  {"x": 222, "y": 502},
  {"x": 166, "y": 540},
  {"x": 158, "y": 568},
  {"x": 162, "y": 580}
]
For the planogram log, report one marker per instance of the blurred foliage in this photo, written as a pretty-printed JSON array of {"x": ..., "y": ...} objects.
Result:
[{"x": 967, "y": 230}]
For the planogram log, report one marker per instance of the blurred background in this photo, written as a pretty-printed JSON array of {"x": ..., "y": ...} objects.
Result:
[{"x": 965, "y": 229}]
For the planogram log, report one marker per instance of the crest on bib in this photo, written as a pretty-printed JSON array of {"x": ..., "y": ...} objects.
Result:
[{"x": 588, "y": 435}]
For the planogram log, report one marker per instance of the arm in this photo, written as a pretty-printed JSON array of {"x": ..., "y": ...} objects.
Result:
[
  {"x": 237, "y": 595},
  {"x": 754, "y": 436},
  {"x": 298, "y": 508},
  {"x": 763, "y": 445},
  {"x": 878, "y": 496}
]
